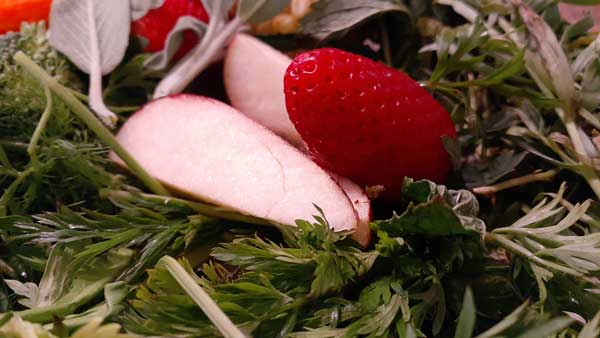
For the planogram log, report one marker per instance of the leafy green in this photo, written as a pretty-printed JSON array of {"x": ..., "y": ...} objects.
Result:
[
  {"x": 65, "y": 286},
  {"x": 260, "y": 11},
  {"x": 334, "y": 18},
  {"x": 152, "y": 232},
  {"x": 22, "y": 99},
  {"x": 434, "y": 211},
  {"x": 529, "y": 256},
  {"x": 18, "y": 328},
  {"x": 466, "y": 320}
]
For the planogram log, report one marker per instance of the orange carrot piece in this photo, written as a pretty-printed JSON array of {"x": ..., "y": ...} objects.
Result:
[{"x": 14, "y": 12}]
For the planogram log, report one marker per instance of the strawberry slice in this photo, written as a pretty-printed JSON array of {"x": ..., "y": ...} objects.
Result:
[
  {"x": 366, "y": 121},
  {"x": 156, "y": 25}
]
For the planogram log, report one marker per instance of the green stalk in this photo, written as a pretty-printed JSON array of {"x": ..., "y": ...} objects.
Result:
[
  {"x": 12, "y": 188},
  {"x": 82, "y": 112},
  {"x": 210, "y": 308},
  {"x": 505, "y": 323},
  {"x": 4, "y": 159},
  {"x": 507, "y": 244},
  {"x": 205, "y": 209},
  {"x": 586, "y": 171},
  {"x": 41, "y": 126}
]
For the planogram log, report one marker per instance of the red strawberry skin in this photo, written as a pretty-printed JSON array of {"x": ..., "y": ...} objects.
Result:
[
  {"x": 157, "y": 23},
  {"x": 366, "y": 121}
]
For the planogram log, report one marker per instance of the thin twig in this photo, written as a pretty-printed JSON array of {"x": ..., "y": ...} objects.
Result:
[{"x": 515, "y": 182}]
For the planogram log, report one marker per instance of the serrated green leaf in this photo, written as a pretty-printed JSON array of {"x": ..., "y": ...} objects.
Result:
[{"x": 434, "y": 211}]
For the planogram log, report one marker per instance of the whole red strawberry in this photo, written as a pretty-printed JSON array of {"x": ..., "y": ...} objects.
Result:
[
  {"x": 366, "y": 121},
  {"x": 156, "y": 25}
]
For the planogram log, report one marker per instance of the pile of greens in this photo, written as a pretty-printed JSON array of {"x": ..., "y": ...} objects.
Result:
[{"x": 509, "y": 248}]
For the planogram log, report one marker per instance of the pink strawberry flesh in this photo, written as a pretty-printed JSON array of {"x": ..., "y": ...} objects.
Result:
[
  {"x": 366, "y": 121},
  {"x": 156, "y": 25}
]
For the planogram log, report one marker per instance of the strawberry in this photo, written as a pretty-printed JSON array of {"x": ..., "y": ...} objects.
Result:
[
  {"x": 156, "y": 25},
  {"x": 366, "y": 121}
]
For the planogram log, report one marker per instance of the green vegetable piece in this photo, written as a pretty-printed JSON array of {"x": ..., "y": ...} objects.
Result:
[
  {"x": 333, "y": 18},
  {"x": 434, "y": 211}
]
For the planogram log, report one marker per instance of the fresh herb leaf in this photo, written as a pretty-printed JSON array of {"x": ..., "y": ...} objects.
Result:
[
  {"x": 257, "y": 11},
  {"x": 466, "y": 320},
  {"x": 434, "y": 211},
  {"x": 333, "y": 18},
  {"x": 94, "y": 35},
  {"x": 18, "y": 328},
  {"x": 22, "y": 99},
  {"x": 64, "y": 286}
]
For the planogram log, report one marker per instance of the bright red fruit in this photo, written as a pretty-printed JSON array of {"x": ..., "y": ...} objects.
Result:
[
  {"x": 156, "y": 25},
  {"x": 366, "y": 121}
]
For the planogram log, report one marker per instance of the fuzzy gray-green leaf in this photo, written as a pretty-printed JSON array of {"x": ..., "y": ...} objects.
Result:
[{"x": 335, "y": 17}]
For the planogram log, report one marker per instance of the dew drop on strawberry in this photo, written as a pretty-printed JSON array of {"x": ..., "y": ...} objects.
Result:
[
  {"x": 364, "y": 120},
  {"x": 156, "y": 25}
]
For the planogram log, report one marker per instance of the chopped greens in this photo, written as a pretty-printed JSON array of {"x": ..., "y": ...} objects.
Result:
[{"x": 509, "y": 247}]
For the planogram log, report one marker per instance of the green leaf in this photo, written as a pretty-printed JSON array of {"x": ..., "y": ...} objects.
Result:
[
  {"x": 18, "y": 328},
  {"x": 257, "y": 11},
  {"x": 202, "y": 299},
  {"x": 548, "y": 328},
  {"x": 333, "y": 18},
  {"x": 82, "y": 112},
  {"x": 94, "y": 35},
  {"x": 592, "y": 328},
  {"x": 489, "y": 173},
  {"x": 64, "y": 287},
  {"x": 544, "y": 57},
  {"x": 434, "y": 211},
  {"x": 114, "y": 295},
  {"x": 467, "y": 317}
]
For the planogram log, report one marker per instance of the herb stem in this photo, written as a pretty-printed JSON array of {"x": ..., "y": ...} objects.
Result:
[
  {"x": 196, "y": 61},
  {"x": 82, "y": 112},
  {"x": 195, "y": 291},
  {"x": 4, "y": 159},
  {"x": 41, "y": 126},
  {"x": 78, "y": 95},
  {"x": 114, "y": 109},
  {"x": 506, "y": 323},
  {"x": 12, "y": 188},
  {"x": 14, "y": 145},
  {"x": 509, "y": 245},
  {"x": 203, "y": 208},
  {"x": 515, "y": 182},
  {"x": 586, "y": 171}
]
